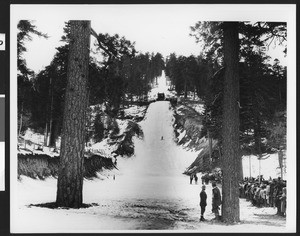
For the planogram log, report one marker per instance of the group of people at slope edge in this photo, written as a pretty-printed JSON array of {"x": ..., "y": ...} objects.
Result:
[
  {"x": 276, "y": 199},
  {"x": 265, "y": 193},
  {"x": 195, "y": 177}
]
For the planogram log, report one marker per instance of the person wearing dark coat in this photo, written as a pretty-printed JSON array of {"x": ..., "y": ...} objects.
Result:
[
  {"x": 203, "y": 203},
  {"x": 216, "y": 200}
]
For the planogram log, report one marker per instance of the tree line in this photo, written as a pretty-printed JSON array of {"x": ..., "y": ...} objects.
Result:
[
  {"x": 243, "y": 91},
  {"x": 262, "y": 89},
  {"x": 122, "y": 75}
]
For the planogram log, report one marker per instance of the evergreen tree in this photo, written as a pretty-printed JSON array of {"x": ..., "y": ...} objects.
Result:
[
  {"x": 49, "y": 93},
  {"x": 276, "y": 129},
  {"x": 260, "y": 89},
  {"x": 230, "y": 126},
  {"x": 25, "y": 30},
  {"x": 188, "y": 74},
  {"x": 70, "y": 176},
  {"x": 258, "y": 94}
]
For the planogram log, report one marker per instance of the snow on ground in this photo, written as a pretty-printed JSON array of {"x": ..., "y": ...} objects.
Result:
[
  {"x": 181, "y": 135},
  {"x": 158, "y": 150},
  {"x": 179, "y": 110},
  {"x": 34, "y": 137},
  {"x": 154, "y": 203},
  {"x": 149, "y": 194},
  {"x": 161, "y": 87},
  {"x": 197, "y": 107},
  {"x": 105, "y": 147},
  {"x": 30, "y": 141},
  {"x": 134, "y": 111}
]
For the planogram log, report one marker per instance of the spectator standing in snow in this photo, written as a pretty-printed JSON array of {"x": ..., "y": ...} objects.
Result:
[
  {"x": 191, "y": 178},
  {"x": 196, "y": 178},
  {"x": 277, "y": 195},
  {"x": 241, "y": 190},
  {"x": 268, "y": 194},
  {"x": 205, "y": 179},
  {"x": 257, "y": 196},
  {"x": 283, "y": 202},
  {"x": 271, "y": 197},
  {"x": 263, "y": 196},
  {"x": 216, "y": 200},
  {"x": 203, "y": 203},
  {"x": 278, "y": 202}
]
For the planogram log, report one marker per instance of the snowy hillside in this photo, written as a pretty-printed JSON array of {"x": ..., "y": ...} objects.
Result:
[{"x": 147, "y": 193}]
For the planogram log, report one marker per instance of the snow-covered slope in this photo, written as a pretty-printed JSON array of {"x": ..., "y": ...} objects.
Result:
[
  {"x": 161, "y": 87},
  {"x": 149, "y": 192},
  {"x": 157, "y": 153}
]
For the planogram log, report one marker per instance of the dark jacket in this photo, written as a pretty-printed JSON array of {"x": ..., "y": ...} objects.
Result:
[
  {"x": 203, "y": 198},
  {"x": 216, "y": 199}
]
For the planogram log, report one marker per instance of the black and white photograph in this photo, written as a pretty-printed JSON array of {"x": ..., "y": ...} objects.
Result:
[{"x": 147, "y": 118}]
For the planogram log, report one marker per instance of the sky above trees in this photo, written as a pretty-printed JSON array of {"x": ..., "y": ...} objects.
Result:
[{"x": 153, "y": 28}]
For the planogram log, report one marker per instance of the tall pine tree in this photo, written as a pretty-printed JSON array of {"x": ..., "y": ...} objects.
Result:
[
  {"x": 70, "y": 176},
  {"x": 230, "y": 126}
]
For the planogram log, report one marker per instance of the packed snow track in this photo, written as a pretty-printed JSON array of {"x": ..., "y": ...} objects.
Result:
[{"x": 147, "y": 192}]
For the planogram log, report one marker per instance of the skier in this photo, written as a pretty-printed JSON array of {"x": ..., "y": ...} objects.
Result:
[
  {"x": 203, "y": 203},
  {"x": 162, "y": 138}
]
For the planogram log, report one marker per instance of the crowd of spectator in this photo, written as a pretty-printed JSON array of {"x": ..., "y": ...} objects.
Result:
[
  {"x": 265, "y": 193},
  {"x": 216, "y": 176}
]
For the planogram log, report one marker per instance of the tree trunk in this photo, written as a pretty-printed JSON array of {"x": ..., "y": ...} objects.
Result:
[
  {"x": 250, "y": 166},
  {"x": 279, "y": 91},
  {"x": 185, "y": 88},
  {"x": 230, "y": 127},
  {"x": 257, "y": 138},
  {"x": 21, "y": 120},
  {"x": 51, "y": 116},
  {"x": 46, "y": 135},
  {"x": 241, "y": 172},
  {"x": 280, "y": 159},
  {"x": 48, "y": 110},
  {"x": 210, "y": 147},
  {"x": 70, "y": 176},
  {"x": 54, "y": 133}
]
